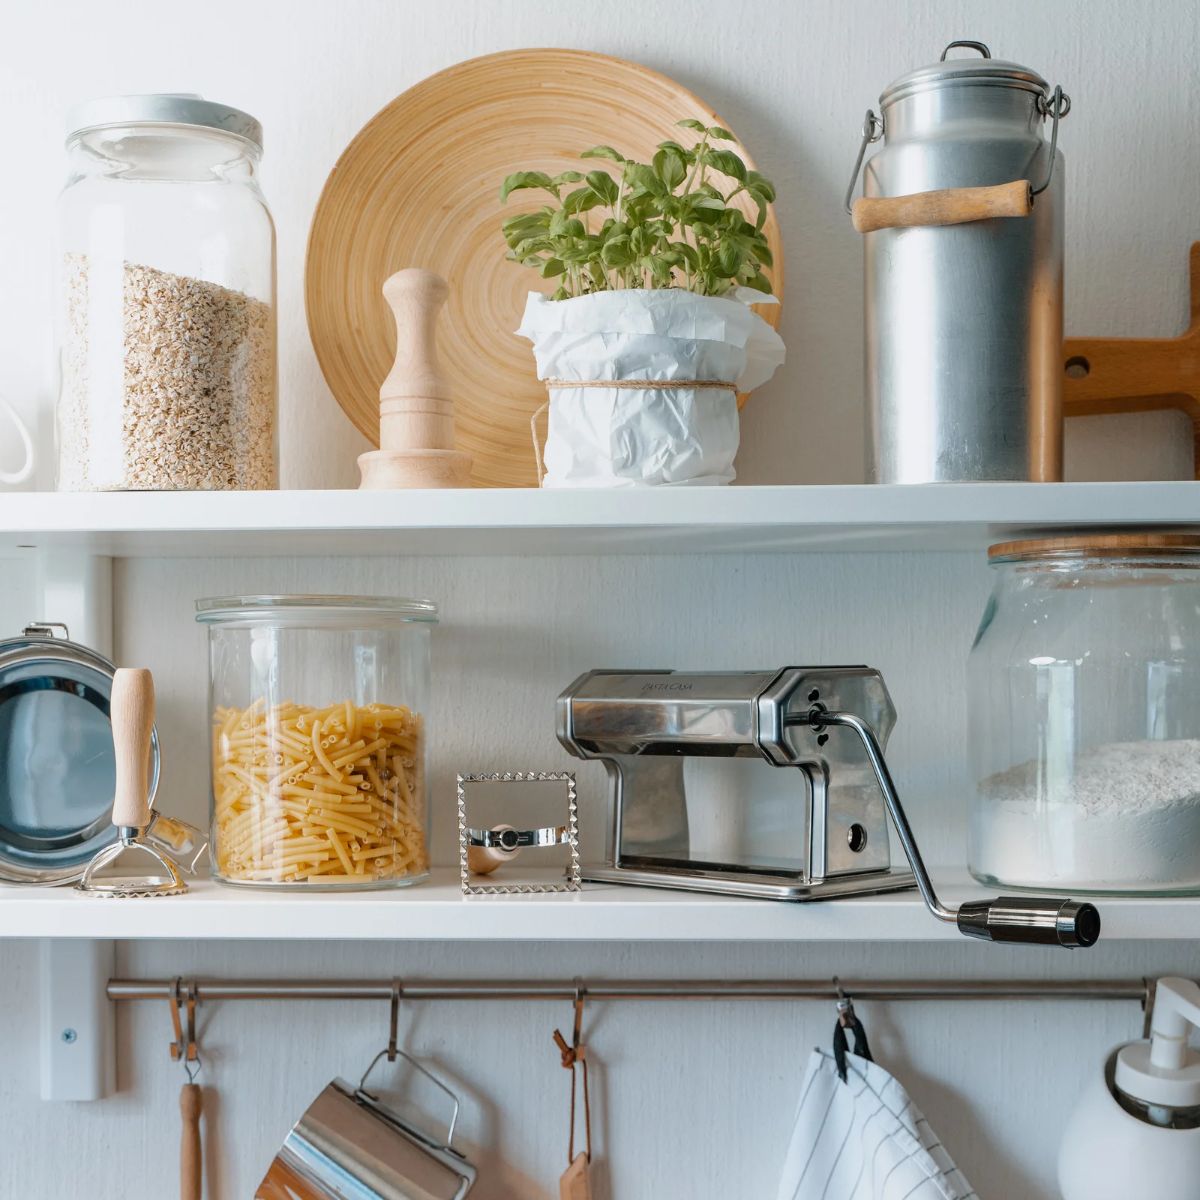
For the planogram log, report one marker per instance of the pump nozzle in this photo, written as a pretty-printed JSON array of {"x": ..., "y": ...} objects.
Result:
[{"x": 1165, "y": 1072}]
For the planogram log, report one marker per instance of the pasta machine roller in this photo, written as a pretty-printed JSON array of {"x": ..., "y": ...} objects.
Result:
[{"x": 659, "y": 733}]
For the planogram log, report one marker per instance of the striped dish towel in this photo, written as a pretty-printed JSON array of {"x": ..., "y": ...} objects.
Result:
[{"x": 864, "y": 1140}]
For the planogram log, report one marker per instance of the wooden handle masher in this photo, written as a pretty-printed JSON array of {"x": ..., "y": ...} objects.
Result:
[{"x": 416, "y": 411}]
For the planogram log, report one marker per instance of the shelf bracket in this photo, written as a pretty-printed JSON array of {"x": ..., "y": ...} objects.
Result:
[
  {"x": 78, "y": 1034},
  {"x": 75, "y": 588}
]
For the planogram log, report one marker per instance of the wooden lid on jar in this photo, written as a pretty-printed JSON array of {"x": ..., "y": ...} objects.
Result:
[{"x": 1130, "y": 544}]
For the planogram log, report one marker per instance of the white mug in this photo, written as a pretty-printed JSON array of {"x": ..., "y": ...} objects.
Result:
[{"x": 26, "y": 469}]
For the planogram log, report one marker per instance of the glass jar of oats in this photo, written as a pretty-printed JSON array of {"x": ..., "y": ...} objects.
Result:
[
  {"x": 166, "y": 315},
  {"x": 317, "y": 708}
]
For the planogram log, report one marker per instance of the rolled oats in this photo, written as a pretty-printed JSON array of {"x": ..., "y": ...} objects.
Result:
[{"x": 194, "y": 408}]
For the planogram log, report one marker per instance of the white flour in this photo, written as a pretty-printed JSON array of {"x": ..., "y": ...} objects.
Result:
[{"x": 1126, "y": 819}]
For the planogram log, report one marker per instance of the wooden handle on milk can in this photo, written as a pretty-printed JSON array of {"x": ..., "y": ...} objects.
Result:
[
  {"x": 949, "y": 206},
  {"x": 191, "y": 1102},
  {"x": 131, "y": 711}
]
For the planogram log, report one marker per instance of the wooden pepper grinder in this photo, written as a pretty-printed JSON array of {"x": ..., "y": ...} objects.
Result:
[{"x": 416, "y": 411}]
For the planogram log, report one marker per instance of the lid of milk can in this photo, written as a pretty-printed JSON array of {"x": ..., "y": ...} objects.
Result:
[{"x": 958, "y": 72}]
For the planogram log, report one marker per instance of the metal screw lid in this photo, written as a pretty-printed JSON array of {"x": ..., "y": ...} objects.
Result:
[{"x": 163, "y": 108}]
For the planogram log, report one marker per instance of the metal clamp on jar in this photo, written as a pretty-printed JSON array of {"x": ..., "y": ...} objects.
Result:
[
  {"x": 831, "y": 724},
  {"x": 963, "y": 215}
]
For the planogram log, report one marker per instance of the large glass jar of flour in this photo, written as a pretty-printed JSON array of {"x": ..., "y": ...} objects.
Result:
[
  {"x": 166, "y": 324},
  {"x": 1085, "y": 715}
]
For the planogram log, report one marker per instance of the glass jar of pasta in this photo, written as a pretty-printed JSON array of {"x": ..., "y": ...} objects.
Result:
[{"x": 318, "y": 739}]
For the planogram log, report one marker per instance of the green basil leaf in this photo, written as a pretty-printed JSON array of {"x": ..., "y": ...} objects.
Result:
[
  {"x": 687, "y": 254},
  {"x": 567, "y": 177},
  {"x": 727, "y": 163},
  {"x": 617, "y": 252},
  {"x": 761, "y": 185},
  {"x": 552, "y": 267},
  {"x": 730, "y": 257},
  {"x": 670, "y": 167},
  {"x": 581, "y": 200},
  {"x": 603, "y": 152},
  {"x": 723, "y": 135},
  {"x": 525, "y": 179},
  {"x": 686, "y": 155},
  {"x": 638, "y": 175},
  {"x": 603, "y": 185},
  {"x": 692, "y": 123}
]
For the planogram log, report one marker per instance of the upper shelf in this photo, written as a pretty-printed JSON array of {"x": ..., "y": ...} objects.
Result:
[
  {"x": 600, "y": 913},
  {"x": 624, "y": 521}
]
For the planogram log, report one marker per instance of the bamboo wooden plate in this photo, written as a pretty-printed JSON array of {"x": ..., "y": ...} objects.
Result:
[{"x": 420, "y": 187}]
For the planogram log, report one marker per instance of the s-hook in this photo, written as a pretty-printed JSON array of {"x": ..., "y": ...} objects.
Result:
[{"x": 847, "y": 1019}]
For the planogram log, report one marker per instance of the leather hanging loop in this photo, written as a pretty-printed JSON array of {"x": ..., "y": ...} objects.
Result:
[{"x": 574, "y": 1054}]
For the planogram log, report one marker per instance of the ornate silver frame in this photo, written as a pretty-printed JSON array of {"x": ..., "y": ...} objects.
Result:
[{"x": 572, "y": 881}]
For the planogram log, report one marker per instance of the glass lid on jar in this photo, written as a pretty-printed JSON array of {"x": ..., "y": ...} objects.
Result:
[
  {"x": 57, "y": 766},
  {"x": 341, "y": 611}
]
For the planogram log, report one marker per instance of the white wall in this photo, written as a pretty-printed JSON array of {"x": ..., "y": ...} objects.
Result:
[
  {"x": 695, "y": 1099},
  {"x": 792, "y": 77}
]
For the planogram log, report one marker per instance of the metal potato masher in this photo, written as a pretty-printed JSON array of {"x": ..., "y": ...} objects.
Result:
[{"x": 132, "y": 865}]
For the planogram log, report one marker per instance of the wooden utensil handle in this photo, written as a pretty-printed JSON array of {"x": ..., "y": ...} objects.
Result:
[
  {"x": 191, "y": 1178},
  {"x": 131, "y": 711},
  {"x": 416, "y": 298},
  {"x": 950, "y": 206}
]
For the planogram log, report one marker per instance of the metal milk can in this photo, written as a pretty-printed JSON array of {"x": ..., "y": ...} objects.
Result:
[{"x": 962, "y": 212}]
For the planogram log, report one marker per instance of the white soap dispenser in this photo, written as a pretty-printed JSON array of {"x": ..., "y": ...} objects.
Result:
[{"x": 1136, "y": 1130}]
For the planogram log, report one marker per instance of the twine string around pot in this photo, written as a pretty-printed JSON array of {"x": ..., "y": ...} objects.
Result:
[{"x": 655, "y": 385}]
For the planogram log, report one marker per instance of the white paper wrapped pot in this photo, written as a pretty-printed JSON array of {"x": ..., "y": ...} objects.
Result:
[{"x": 634, "y": 383}]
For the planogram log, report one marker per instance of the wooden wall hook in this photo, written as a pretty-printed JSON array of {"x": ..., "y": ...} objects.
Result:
[
  {"x": 1116, "y": 375},
  {"x": 416, "y": 409}
]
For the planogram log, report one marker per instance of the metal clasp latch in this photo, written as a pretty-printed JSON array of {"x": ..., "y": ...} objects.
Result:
[
  {"x": 46, "y": 629},
  {"x": 1056, "y": 106},
  {"x": 872, "y": 131}
]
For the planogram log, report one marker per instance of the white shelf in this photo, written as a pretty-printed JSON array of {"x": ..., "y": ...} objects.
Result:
[
  {"x": 527, "y": 521},
  {"x": 601, "y": 913}
]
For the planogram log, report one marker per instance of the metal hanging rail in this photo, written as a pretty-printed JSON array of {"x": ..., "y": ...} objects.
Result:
[{"x": 1140, "y": 990}]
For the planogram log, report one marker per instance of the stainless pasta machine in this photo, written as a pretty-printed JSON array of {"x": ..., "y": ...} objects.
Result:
[{"x": 666, "y": 735}]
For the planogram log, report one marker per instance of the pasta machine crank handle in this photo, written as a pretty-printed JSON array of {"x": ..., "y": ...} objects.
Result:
[{"x": 1043, "y": 920}]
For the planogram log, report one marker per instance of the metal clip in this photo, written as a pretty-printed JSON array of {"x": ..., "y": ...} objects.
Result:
[
  {"x": 845, "y": 1006},
  {"x": 1057, "y": 106},
  {"x": 46, "y": 629},
  {"x": 185, "y": 1047},
  {"x": 872, "y": 131},
  {"x": 394, "y": 1021}
]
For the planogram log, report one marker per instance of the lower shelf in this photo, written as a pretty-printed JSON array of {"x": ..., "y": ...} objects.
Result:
[{"x": 600, "y": 913}]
